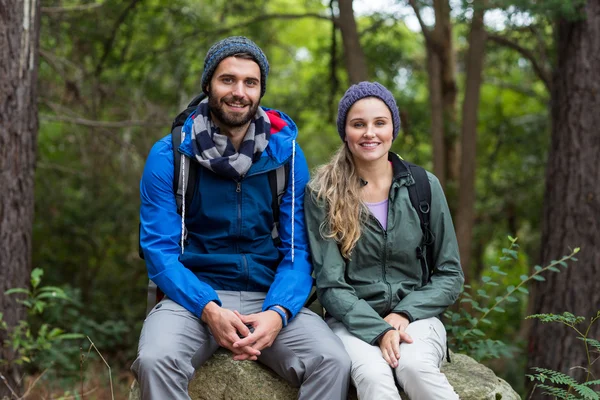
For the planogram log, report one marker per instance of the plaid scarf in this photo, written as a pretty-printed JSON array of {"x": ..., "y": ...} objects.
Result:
[{"x": 216, "y": 152}]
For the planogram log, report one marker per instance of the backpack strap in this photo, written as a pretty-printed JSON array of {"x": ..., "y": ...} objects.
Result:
[
  {"x": 278, "y": 182},
  {"x": 181, "y": 188},
  {"x": 420, "y": 198}
]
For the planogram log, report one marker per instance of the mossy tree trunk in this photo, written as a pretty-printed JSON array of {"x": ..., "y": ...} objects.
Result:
[{"x": 572, "y": 201}]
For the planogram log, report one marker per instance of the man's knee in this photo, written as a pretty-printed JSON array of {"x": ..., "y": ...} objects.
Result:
[
  {"x": 333, "y": 355},
  {"x": 338, "y": 361},
  {"x": 155, "y": 362}
]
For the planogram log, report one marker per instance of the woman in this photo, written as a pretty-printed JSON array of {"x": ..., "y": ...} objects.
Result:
[{"x": 363, "y": 233}]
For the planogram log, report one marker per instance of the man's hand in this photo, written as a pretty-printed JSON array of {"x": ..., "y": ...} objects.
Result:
[
  {"x": 266, "y": 324},
  {"x": 390, "y": 342},
  {"x": 226, "y": 327}
]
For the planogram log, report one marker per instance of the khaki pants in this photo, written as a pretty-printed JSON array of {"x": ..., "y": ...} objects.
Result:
[
  {"x": 174, "y": 342},
  {"x": 418, "y": 371}
]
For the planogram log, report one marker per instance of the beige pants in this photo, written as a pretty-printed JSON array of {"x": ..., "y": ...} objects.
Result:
[{"x": 418, "y": 370}]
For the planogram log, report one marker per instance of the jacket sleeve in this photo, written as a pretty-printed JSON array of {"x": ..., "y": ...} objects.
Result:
[
  {"x": 160, "y": 234},
  {"x": 335, "y": 294},
  {"x": 293, "y": 280},
  {"x": 446, "y": 282}
]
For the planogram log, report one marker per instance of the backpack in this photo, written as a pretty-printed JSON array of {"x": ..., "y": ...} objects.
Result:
[
  {"x": 420, "y": 198},
  {"x": 278, "y": 181}
]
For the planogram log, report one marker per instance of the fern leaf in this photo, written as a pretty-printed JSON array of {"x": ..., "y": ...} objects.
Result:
[
  {"x": 556, "y": 377},
  {"x": 592, "y": 342},
  {"x": 586, "y": 392},
  {"x": 566, "y": 318},
  {"x": 557, "y": 392}
]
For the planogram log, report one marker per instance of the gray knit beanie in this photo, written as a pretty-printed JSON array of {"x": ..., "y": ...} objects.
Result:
[
  {"x": 228, "y": 47},
  {"x": 360, "y": 91}
]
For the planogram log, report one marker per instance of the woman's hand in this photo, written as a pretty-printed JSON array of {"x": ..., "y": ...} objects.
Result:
[
  {"x": 390, "y": 347},
  {"x": 398, "y": 321},
  {"x": 390, "y": 342}
]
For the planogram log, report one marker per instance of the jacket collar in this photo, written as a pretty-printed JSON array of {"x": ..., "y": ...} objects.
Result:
[{"x": 401, "y": 174}]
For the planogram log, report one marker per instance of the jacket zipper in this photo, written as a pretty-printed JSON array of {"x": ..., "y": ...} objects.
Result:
[
  {"x": 238, "y": 190},
  {"x": 384, "y": 264},
  {"x": 385, "y": 246}
]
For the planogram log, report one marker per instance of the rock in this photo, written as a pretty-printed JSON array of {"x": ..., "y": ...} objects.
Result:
[
  {"x": 221, "y": 378},
  {"x": 474, "y": 381}
]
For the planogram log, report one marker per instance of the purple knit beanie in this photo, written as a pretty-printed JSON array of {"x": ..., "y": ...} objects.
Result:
[
  {"x": 360, "y": 91},
  {"x": 228, "y": 47}
]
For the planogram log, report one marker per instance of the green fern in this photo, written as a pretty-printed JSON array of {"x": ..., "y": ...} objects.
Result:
[
  {"x": 586, "y": 392},
  {"x": 567, "y": 387},
  {"x": 557, "y": 392},
  {"x": 555, "y": 377},
  {"x": 592, "y": 342},
  {"x": 467, "y": 326},
  {"x": 565, "y": 318}
]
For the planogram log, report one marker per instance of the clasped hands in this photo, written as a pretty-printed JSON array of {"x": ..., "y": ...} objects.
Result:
[
  {"x": 390, "y": 341},
  {"x": 231, "y": 330}
]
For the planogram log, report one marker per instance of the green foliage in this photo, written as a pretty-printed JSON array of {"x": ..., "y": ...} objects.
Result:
[
  {"x": 25, "y": 341},
  {"x": 565, "y": 318},
  {"x": 551, "y": 9},
  {"x": 564, "y": 386},
  {"x": 141, "y": 66},
  {"x": 466, "y": 326},
  {"x": 109, "y": 335}
]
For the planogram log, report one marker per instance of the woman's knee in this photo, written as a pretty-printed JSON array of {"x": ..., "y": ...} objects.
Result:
[
  {"x": 410, "y": 368},
  {"x": 371, "y": 373}
]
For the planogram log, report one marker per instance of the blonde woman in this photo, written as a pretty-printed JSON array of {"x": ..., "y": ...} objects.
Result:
[{"x": 363, "y": 234}]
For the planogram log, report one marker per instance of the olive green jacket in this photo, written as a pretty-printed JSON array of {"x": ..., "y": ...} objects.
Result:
[{"x": 384, "y": 274}]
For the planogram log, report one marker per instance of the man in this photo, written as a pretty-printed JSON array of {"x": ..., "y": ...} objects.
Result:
[{"x": 226, "y": 281}]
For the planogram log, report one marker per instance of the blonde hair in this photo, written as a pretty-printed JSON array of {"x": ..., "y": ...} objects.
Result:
[{"x": 338, "y": 185}]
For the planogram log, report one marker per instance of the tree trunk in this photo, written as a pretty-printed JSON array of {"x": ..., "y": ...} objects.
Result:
[
  {"x": 442, "y": 35},
  {"x": 19, "y": 37},
  {"x": 465, "y": 215},
  {"x": 572, "y": 199},
  {"x": 356, "y": 63},
  {"x": 437, "y": 113}
]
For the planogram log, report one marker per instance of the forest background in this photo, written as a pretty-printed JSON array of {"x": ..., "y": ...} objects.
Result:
[{"x": 499, "y": 98}]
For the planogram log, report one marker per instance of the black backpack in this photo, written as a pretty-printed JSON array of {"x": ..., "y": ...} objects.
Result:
[
  {"x": 420, "y": 198},
  {"x": 278, "y": 181}
]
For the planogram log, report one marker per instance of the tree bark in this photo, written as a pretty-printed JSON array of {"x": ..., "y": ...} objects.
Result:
[
  {"x": 441, "y": 71},
  {"x": 356, "y": 63},
  {"x": 442, "y": 35},
  {"x": 571, "y": 216},
  {"x": 465, "y": 216},
  {"x": 437, "y": 113},
  {"x": 19, "y": 39}
]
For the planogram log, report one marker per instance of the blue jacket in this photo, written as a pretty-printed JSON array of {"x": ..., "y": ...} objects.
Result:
[{"x": 229, "y": 244}]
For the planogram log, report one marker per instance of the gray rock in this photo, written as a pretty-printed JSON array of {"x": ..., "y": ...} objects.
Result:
[{"x": 221, "y": 378}]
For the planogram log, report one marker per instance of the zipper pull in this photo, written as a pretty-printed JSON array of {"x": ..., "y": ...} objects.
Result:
[{"x": 239, "y": 187}]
